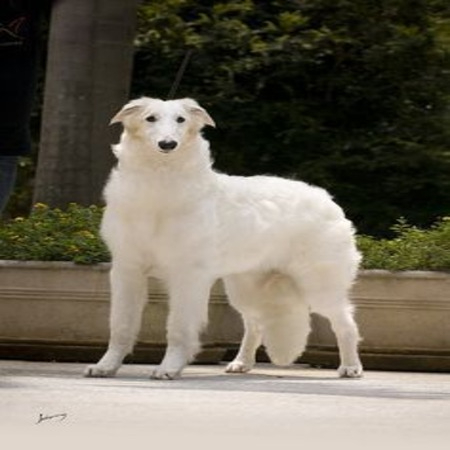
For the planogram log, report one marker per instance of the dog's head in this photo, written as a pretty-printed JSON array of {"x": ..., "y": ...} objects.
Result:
[{"x": 165, "y": 125}]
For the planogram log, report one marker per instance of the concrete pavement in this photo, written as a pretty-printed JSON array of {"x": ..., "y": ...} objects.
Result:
[{"x": 299, "y": 407}]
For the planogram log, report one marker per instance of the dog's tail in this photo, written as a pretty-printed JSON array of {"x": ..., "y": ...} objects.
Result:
[
  {"x": 285, "y": 323},
  {"x": 285, "y": 335}
]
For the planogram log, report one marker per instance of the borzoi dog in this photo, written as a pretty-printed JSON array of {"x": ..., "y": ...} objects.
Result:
[{"x": 283, "y": 248}]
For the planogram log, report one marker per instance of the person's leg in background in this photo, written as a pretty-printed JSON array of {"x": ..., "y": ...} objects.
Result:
[{"x": 20, "y": 23}]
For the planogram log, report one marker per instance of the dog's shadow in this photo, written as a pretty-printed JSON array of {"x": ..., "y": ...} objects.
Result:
[{"x": 265, "y": 382}]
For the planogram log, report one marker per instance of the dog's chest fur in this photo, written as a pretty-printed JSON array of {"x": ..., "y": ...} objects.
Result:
[{"x": 155, "y": 215}]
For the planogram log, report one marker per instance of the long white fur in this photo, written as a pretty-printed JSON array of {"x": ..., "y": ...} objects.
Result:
[{"x": 282, "y": 247}]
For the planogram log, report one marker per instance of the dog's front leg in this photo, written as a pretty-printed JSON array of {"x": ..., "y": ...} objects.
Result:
[
  {"x": 188, "y": 314},
  {"x": 128, "y": 298}
]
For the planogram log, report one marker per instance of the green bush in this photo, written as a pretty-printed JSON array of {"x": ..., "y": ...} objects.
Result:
[
  {"x": 412, "y": 248},
  {"x": 55, "y": 235},
  {"x": 72, "y": 235}
]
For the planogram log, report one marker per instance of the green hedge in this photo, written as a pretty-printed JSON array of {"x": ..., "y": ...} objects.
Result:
[
  {"x": 72, "y": 235},
  {"x": 411, "y": 248},
  {"x": 55, "y": 235}
]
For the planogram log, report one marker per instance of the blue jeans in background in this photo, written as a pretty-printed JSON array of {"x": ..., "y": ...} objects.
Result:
[{"x": 8, "y": 171}]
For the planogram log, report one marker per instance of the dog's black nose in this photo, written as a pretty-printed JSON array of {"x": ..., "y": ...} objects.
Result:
[{"x": 167, "y": 145}]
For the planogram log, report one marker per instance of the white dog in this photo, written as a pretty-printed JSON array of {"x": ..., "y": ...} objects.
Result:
[{"x": 282, "y": 247}]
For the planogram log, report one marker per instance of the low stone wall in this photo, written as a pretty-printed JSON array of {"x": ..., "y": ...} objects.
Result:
[{"x": 60, "y": 311}]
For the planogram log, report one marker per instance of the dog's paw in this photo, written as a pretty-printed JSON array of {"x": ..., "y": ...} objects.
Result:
[
  {"x": 238, "y": 367},
  {"x": 350, "y": 371},
  {"x": 173, "y": 363},
  {"x": 99, "y": 371},
  {"x": 161, "y": 373}
]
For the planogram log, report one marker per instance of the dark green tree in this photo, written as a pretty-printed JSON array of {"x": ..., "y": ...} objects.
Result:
[{"x": 350, "y": 95}]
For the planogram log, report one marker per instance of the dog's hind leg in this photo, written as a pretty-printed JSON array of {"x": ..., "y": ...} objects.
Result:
[
  {"x": 347, "y": 336},
  {"x": 327, "y": 294},
  {"x": 245, "y": 359},
  {"x": 243, "y": 294},
  {"x": 128, "y": 298},
  {"x": 188, "y": 314}
]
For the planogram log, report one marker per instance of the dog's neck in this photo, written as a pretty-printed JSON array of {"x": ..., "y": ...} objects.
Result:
[{"x": 179, "y": 177}]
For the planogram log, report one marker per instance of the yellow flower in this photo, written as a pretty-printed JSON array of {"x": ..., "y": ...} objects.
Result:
[
  {"x": 86, "y": 234},
  {"x": 40, "y": 206}
]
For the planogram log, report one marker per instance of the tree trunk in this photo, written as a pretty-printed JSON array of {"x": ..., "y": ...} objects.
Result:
[{"x": 87, "y": 81}]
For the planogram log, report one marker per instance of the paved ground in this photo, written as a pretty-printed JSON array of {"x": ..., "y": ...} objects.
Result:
[{"x": 300, "y": 407}]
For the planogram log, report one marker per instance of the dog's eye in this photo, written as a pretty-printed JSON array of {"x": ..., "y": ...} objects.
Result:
[
  {"x": 181, "y": 119},
  {"x": 150, "y": 119}
]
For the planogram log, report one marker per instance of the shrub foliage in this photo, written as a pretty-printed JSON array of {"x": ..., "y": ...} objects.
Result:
[
  {"x": 54, "y": 235},
  {"x": 411, "y": 248}
]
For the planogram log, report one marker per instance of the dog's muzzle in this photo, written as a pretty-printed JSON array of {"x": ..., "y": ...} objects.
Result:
[{"x": 167, "y": 146}]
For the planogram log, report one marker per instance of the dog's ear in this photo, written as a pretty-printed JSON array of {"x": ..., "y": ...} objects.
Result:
[
  {"x": 123, "y": 113},
  {"x": 194, "y": 108},
  {"x": 128, "y": 110}
]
